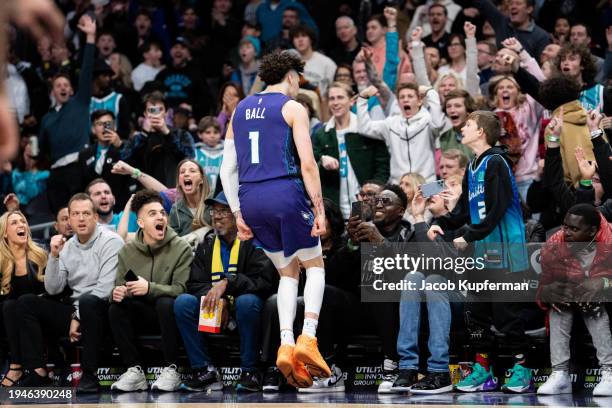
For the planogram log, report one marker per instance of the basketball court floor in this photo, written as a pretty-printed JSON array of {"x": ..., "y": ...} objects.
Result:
[{"x": 292, "y": 399}]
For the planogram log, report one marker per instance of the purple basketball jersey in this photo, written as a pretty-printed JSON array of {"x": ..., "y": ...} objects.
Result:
[{"x": 263, "y": 140}]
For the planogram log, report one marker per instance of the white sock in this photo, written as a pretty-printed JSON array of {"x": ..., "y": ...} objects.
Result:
[
  {"x": 286, "y": 302},
  {"x": 287, "y": 337},
  {"x": 310, "y": 327},
  {"x": 313, "y": 298}
]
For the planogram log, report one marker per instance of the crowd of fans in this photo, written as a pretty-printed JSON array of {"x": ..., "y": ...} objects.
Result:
[{"x": 122, "y": 130}]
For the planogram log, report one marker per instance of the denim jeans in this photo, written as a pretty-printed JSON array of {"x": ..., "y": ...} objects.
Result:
[
  {"x": 439, "y": 314},
  {"x": 248, "y": 317}
]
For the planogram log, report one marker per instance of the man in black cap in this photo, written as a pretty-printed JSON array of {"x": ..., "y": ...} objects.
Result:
[
  {"x": 225, "y": 267},
  {"x": 105, "y": 97},
  {"x": 182, "y": 80}
]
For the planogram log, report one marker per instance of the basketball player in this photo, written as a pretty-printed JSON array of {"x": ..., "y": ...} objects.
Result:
[{"x": 261, "y": 179}]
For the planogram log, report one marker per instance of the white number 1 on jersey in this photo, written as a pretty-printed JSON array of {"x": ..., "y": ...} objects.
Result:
[{"x": 254, "y": 138}]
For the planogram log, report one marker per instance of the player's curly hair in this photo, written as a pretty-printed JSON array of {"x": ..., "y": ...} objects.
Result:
[
  {"x": 143, "y": 198},
  {"x": 275, "y": 66}
]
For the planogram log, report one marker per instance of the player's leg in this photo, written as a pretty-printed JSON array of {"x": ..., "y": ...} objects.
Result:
[
  {"x": 294, "y": 371},
  {"x": 307, "y": 349}
]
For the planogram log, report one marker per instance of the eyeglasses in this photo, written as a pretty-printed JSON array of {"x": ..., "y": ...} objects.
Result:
[
  {"x": 103, "y": 123},
  {"x": 365, "y": 195},
  {"x": 221, "y": 212},
  {"x": 383, "y": 200}
]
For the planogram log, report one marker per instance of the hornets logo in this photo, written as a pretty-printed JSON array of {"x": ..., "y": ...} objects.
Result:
[{"x": 308, "y": 217}]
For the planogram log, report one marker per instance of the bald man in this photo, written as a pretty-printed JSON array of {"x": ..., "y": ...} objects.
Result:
[{"x": 346, "y": 32}]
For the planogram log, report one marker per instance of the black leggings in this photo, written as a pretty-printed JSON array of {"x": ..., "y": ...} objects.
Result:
[
  {"x": 11, "y": 329},
  {"x": 41, "y": 319}
]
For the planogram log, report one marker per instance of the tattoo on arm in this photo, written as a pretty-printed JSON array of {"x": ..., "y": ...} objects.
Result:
[{"x": 317, "y": 202}]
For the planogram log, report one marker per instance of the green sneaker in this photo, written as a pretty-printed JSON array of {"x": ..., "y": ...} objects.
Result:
[
  {"x": 478, "y": 380},
  {"x": 520, "y": 381}
]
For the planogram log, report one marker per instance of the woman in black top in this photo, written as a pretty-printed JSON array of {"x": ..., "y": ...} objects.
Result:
[{"x": 22, "y": 264}]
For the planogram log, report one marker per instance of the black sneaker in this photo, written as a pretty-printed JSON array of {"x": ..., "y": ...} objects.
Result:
[
  {"x": 32, "y": 379},
  {"x": 405, "y": 380},
  {"x": 273, "y": 380},
  {"x": 203, "y": 380},
  {"x": 249, "y": 381},
  {"x": 433, "y": 383},
  {"x": 88, "y": 384}
]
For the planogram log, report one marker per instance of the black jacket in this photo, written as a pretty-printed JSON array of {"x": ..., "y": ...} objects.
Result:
[
  {"x": 498, "y": 196},
  {"x": 122, "y": 186},
  {"x": 186, "y": 85},
  {"x": 256, "y": 274},
  {"x": 540, "y": 200},
  {"x": 563, "y": 196},
  {"x": 157, "y": 154}
]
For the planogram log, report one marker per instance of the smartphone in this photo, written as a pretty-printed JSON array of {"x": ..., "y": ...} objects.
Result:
[
  {"x": 154, "y": 110},
  {"x": 108, "y": 126},
  {"x": 356, "y": 209},
  {"x": 130, "y": 276},
  {"x": 34, "y": 147},
  {"x": 433, "y": 188},
  {"x": 362, "y": 210}
]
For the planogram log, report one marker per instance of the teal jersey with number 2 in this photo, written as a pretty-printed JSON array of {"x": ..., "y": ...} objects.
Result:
[{"x": 504, "y": 247}]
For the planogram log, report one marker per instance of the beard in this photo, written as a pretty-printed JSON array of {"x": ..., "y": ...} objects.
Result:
[{"x": 104, "y": 213}]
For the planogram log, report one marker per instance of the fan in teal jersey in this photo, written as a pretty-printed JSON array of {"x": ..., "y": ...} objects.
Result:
[
  {"x": 209, "y": 153},
  {"x": 490, "y": 209}
]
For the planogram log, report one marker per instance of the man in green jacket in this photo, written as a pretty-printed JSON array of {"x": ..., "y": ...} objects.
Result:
[
  {"x": 152, "y": 271},
  {"x": 346, "y": 158}
]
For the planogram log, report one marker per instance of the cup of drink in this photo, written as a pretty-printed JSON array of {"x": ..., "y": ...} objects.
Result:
[{"x": 76, "y": 374}]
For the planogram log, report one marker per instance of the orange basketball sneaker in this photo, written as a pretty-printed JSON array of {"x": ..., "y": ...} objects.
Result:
[
  {"x": 293, "y": 370},
  {"x": 307, "y": 351}
]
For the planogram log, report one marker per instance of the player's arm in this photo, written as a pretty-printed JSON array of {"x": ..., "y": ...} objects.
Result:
[
  {"x": 229, "y": 169},
  {"x": 297, "y": 117},
  {"x": 229, "y": 179}
]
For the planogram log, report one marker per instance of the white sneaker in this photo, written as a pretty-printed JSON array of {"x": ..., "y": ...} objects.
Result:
[
  {"x": 390, "y": 372},
  {"x": 604, "y": 388},
  {"x": 335, "y": 383},
  {"x": 132, "y": 380},
  {"x": 168, "y": 380},
  {"x": 558, "y": 383}
]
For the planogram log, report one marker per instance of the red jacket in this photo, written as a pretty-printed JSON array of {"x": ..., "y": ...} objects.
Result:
[{"x": 560, "y": 265}]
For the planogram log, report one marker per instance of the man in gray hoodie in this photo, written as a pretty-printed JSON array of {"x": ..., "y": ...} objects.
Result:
[{"x": 84, "y": 269}]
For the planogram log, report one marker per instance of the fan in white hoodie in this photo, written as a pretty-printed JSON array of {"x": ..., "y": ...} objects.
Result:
[{"x": 410, "y": 137}]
